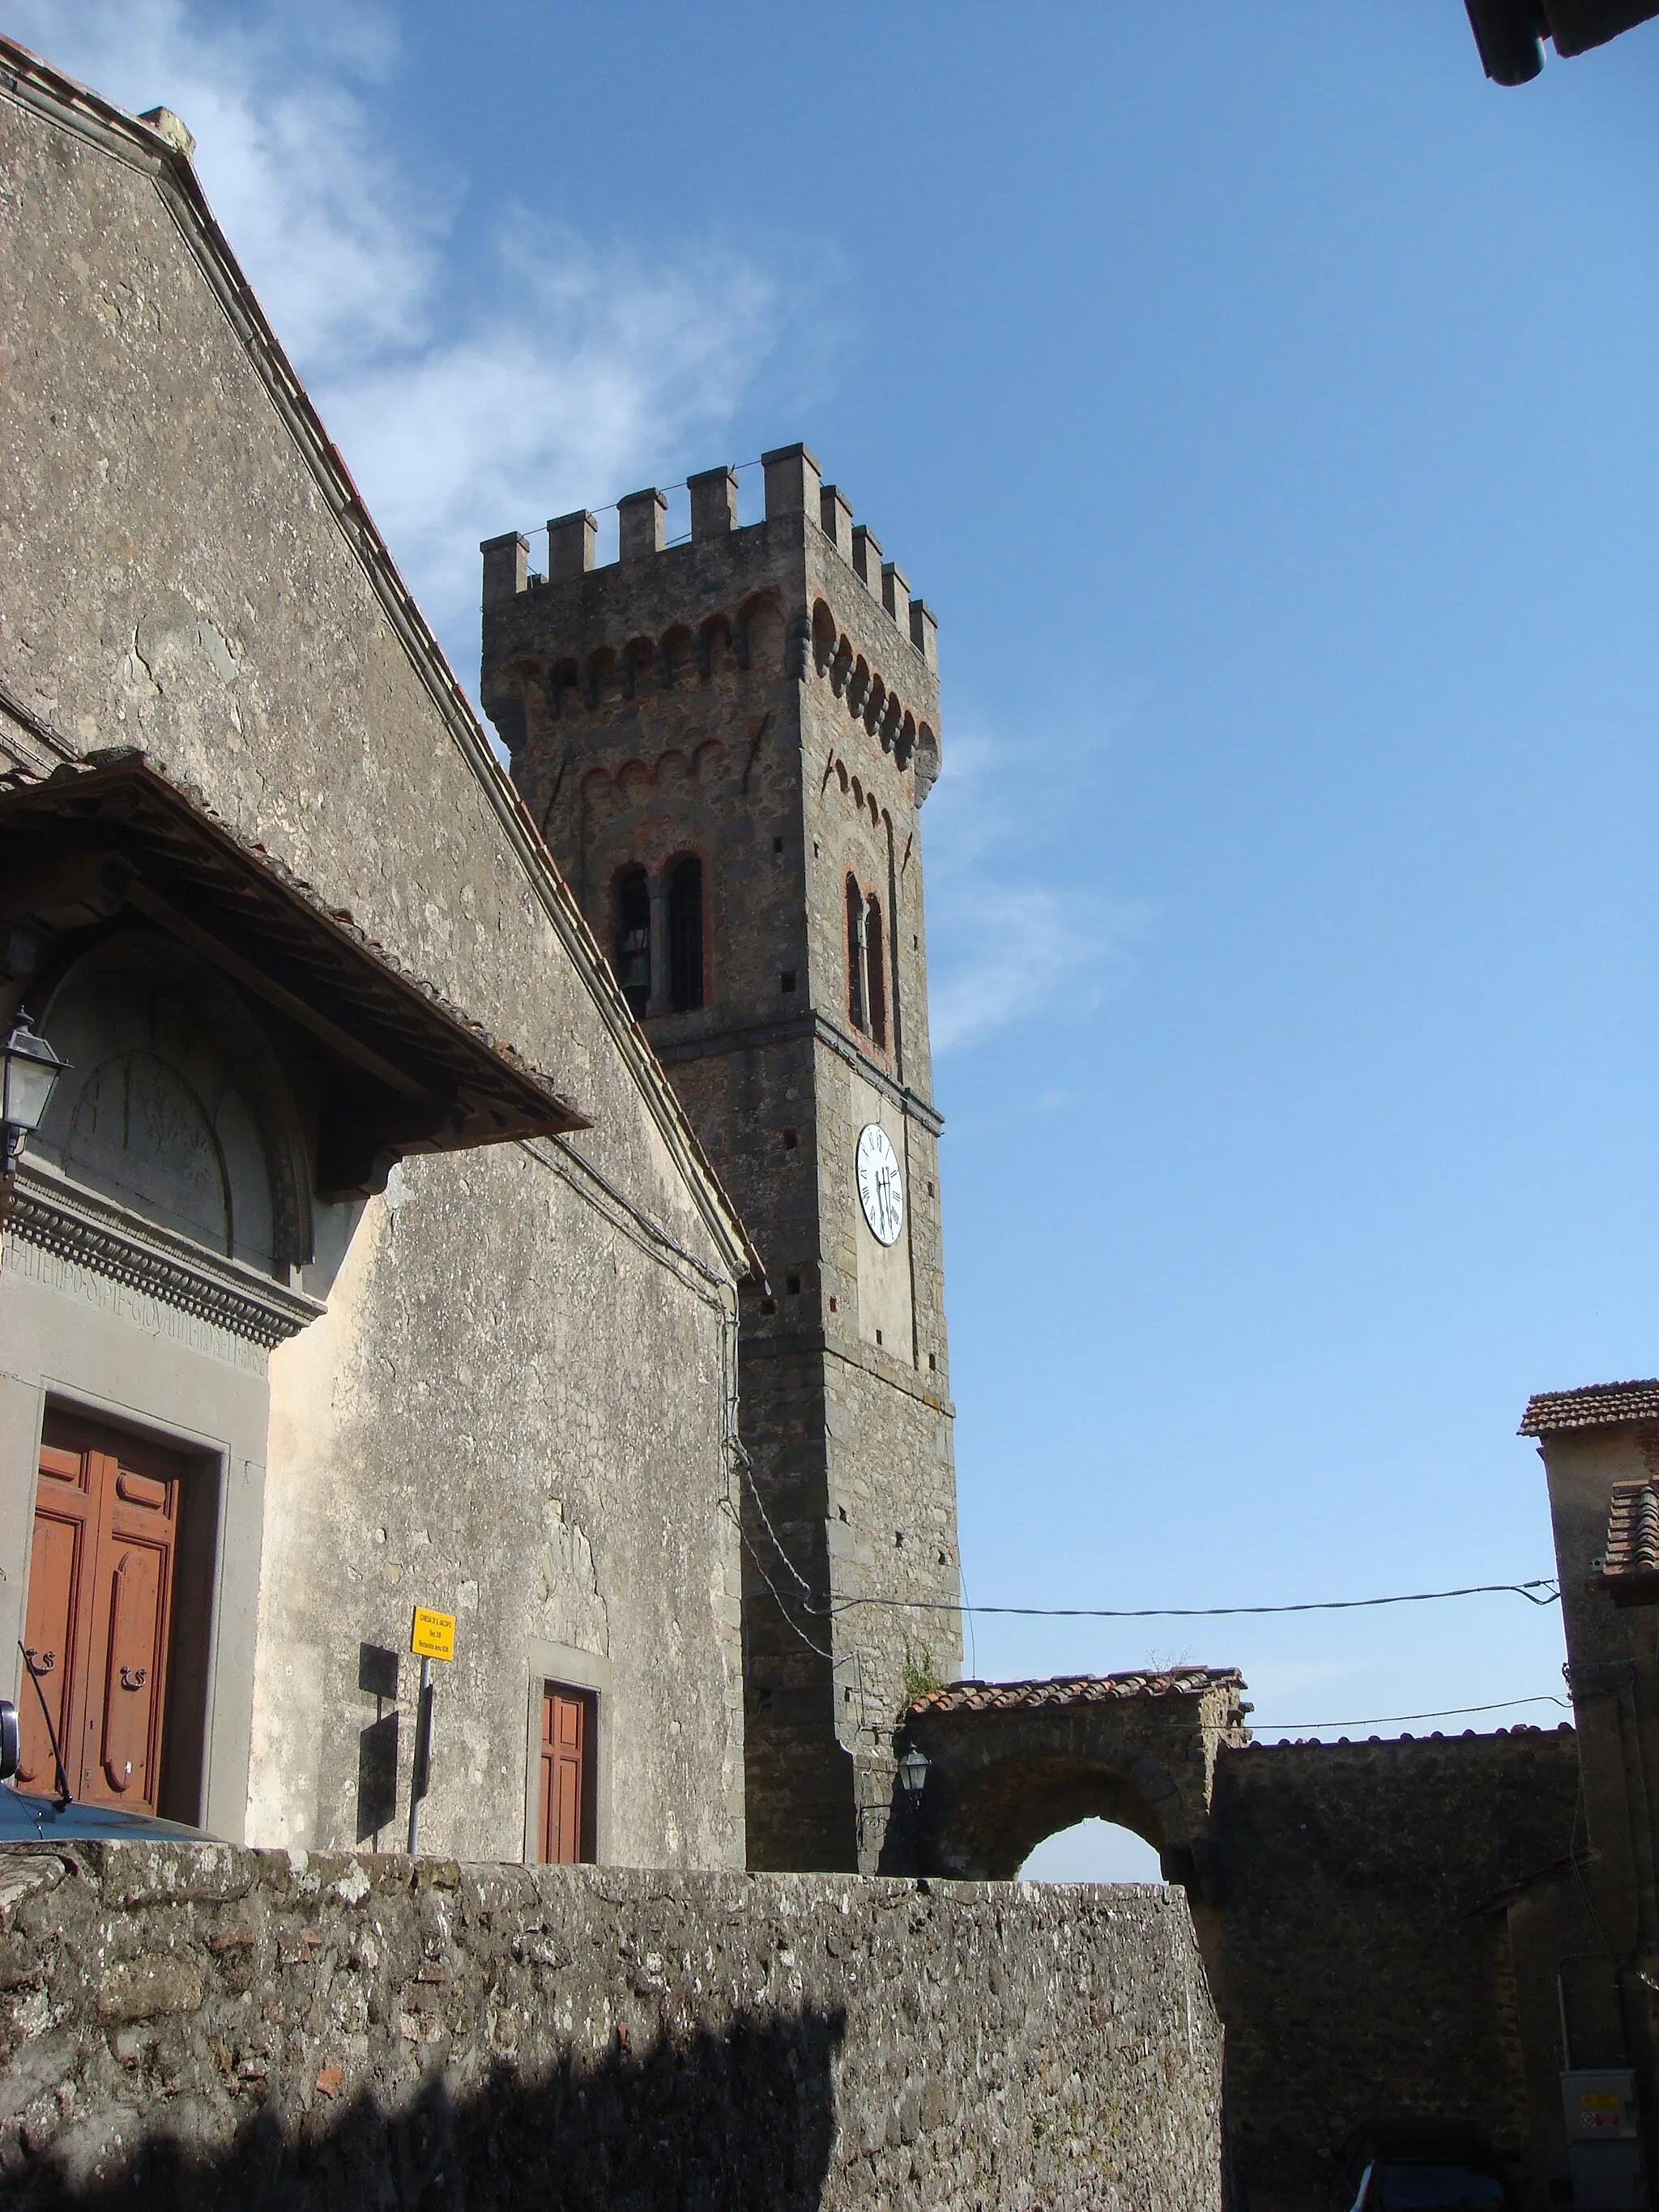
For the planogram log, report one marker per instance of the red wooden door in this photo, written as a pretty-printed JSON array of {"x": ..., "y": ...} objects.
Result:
[
  {"x": 99, "y": 1618},
  {"x": 567, "y": 1734}
]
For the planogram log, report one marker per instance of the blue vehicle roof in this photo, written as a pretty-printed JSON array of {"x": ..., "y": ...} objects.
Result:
[{"x": 27, "y": 1818}]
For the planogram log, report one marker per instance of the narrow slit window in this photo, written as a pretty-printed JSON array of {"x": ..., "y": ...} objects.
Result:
[
  {"x": 632, "y": 961},
  {"x": 685, "y": 935},
  {"x": 875, "y": 997},
  {"x": 855, "y": 1002}
]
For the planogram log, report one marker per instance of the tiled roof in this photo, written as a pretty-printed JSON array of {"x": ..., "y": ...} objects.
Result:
[
  {"x": 1629, "y": 1569},
  {"x": 1603, "y": 1405},
  {"x": 1077, "y": 1690}
]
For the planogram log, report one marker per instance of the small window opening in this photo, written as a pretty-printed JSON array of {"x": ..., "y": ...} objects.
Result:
[
  {"x": 944, "y": 1559},
  {"x": 794, "y": 1287},
  {"x": 915, "y": 944},
  {"x": 841, "y": 1509},
  {"x": 634, "y": 940},
  {"x": 777, "y": 844},
  {"x": 930, "y": 1190},
  {"x": 835, "y": 1305},
  {"x": 791, "y": 1139},
  {"x": 898, "y": 1540},
  {"x": 685, "y": 935},
  {"x": 856, "y": 957},
  {"x": 876, "y": 972},
  {"x": 878, "y": 1336},
  {"x": 932, "y": 1364},
  {"x": 787, "y": 980}
]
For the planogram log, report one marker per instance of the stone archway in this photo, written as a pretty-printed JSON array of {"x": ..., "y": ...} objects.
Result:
[{"x": 1010, "y": 1763}]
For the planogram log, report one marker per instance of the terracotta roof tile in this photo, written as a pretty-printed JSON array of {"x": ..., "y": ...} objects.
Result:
[
  {"x": 1603, "y": 1405},
  {"x": 1629, "y": 1569},
  {"x": 1077, "y": 1690}
]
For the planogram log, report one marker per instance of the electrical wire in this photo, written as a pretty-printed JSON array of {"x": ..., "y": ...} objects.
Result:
[
  {"x": 1195, "y": 1611},
  {"x": 816, "y": 1649},
  {"x": 1384, "y": 1720},
  {"x": 754, "y": 1491}
]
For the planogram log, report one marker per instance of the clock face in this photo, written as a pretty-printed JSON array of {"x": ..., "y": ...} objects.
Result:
[{"x": 881, "y": 1186}]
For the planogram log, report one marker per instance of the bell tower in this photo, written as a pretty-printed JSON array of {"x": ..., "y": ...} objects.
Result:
[{"x": 727, "y": 743}]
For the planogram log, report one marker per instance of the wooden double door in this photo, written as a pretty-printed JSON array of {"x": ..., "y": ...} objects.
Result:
[{"x": 98, "y": 1639}]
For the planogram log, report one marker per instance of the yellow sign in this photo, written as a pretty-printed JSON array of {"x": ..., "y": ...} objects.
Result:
[{"x": 432, "y": 1636}]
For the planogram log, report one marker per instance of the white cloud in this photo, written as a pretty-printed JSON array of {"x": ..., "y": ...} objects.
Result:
[
  {"x": 601, "y": 366},
  {"x": 1003, "y": 948},
  {"x": 470, "y": 391}
]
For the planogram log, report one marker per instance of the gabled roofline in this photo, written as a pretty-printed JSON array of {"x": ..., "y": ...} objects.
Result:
[{"x": 35, "y": 84}]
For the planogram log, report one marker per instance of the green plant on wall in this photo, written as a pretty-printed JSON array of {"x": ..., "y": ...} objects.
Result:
[{"x": 921, "y": 1677}]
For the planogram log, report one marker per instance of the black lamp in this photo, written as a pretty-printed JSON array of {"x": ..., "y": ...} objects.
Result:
[{"x": 29, "y": 1069}]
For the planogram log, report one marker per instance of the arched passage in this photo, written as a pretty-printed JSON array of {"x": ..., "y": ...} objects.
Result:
[
  {"x": 1000, "y": 1815},
  {"x": 1011, "y": 1763},
  {"x": 1092, "y": 1850}
]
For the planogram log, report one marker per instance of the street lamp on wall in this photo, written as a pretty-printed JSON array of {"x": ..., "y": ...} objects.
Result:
[
  {"x": 29, "y": 1070},
  {"x": 913, "y": 1771}
]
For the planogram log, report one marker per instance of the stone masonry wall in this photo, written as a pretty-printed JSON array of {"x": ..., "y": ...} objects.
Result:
[
  {"x": 1361, "y": 1979},
  {"x": 757, "y": 698},
  {"x": 466, "y": 1426},
  {"x": 220, "y": 2026}
]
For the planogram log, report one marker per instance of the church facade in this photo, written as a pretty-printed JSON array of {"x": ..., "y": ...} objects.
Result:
[{"x": 365, "y": 1258}]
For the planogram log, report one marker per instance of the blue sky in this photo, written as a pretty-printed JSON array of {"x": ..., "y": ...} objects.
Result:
[{"x": 1266, "y": 405}]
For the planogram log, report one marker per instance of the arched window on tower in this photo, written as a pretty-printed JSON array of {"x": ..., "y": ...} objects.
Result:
[
  {"x": 632, "y": 955},
  {"x": 855, "y": 1013},
  {"x": 875, "y": 971},
  {"x": 685, "y": 935}
]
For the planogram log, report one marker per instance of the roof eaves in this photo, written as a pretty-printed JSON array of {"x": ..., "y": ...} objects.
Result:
[
  {"x": 1077, "y": 1690},
  {"x": 1597, "y": 1405}
]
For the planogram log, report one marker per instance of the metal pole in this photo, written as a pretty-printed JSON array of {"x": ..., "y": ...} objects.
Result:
[{"x": 419, "y": 1775}]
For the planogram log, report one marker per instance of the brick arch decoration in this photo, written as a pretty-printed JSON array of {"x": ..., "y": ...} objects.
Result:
[
  {"x": 526, "y": 694},
  {"x": 1011, "y": 1763}
]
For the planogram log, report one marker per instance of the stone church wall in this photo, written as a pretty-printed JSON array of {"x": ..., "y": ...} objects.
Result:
[
  {"x": 223, "y": 2026},
  {"x": 517, "y": 1406},
  {"x": 1365, "y": 1973}
]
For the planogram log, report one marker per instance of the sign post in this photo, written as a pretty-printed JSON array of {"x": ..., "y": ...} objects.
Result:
[{"x": 432, "y": 1636}]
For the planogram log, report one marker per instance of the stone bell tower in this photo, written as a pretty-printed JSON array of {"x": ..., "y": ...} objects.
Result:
[{"x": 727, "y": 743}]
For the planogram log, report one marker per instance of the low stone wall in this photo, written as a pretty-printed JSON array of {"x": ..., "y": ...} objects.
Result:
[
  {"x": 1365, "y": 1980},
  {"x": 201, "y": 2025}
]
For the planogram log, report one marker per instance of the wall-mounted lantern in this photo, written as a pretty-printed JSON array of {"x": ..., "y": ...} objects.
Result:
[
  {"x": 913, "y": 1771},
  {"x": 29, "y": 1069}
]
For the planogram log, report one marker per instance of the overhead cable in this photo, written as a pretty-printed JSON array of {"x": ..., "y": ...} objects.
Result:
[
  {"x": 1528, "y": 1591},
  {"x": 1384, "y": 1720}
]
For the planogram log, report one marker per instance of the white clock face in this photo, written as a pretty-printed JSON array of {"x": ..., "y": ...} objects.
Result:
[{"x": 881, "y": 1186}]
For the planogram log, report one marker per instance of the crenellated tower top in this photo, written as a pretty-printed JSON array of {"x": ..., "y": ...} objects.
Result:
[{"x": 557, "y": 641}]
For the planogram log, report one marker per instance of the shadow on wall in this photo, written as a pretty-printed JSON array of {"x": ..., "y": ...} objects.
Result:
[{"x": 705, "y": 2122}]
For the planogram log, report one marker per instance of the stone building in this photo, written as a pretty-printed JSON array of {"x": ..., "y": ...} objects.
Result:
[
  {"x": 727, "y": 743},
  {"x": 365, "y": 1257}
]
